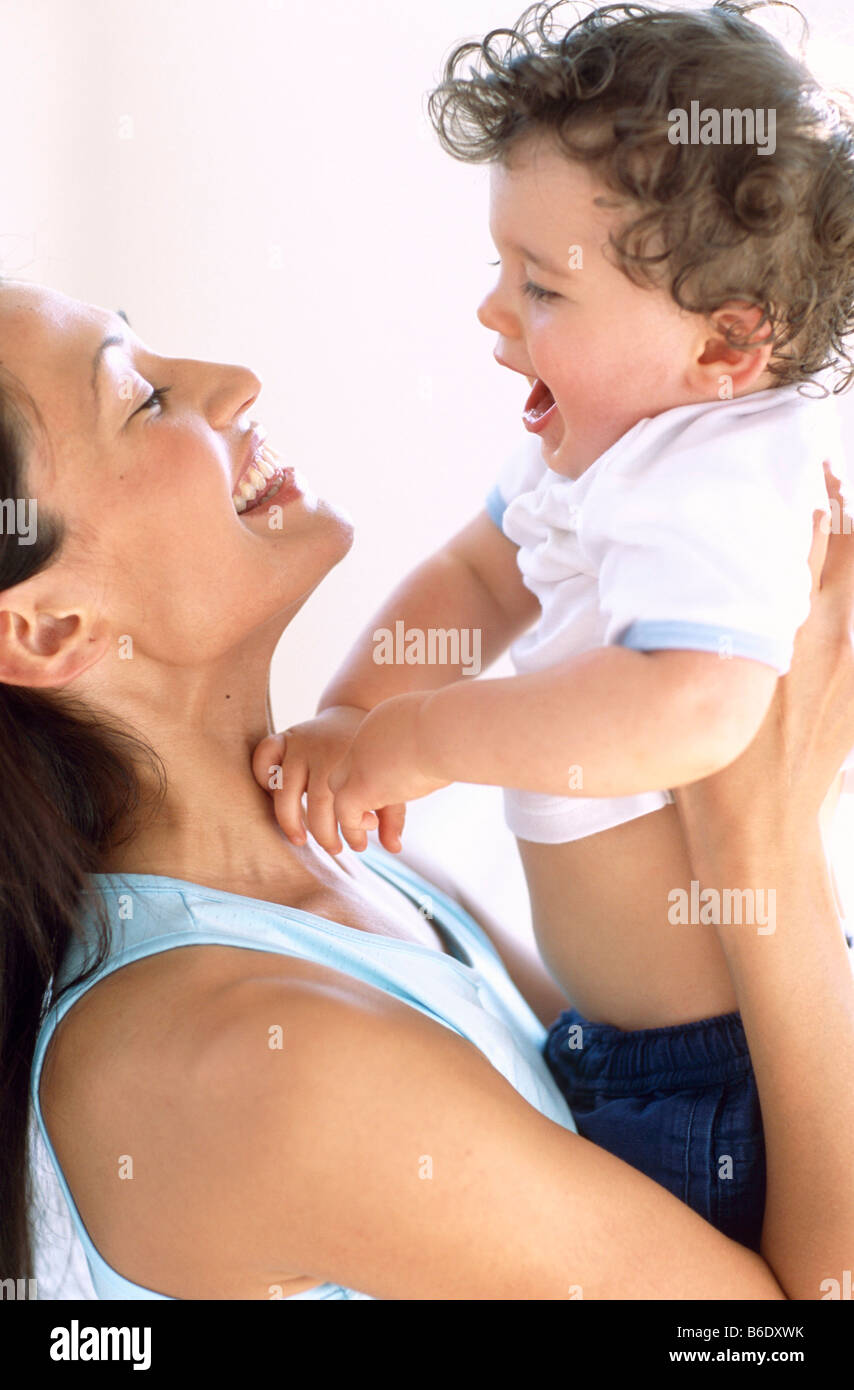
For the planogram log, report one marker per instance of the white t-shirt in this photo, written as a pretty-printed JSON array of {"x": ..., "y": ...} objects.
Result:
[{"x": 691, "y": 532}]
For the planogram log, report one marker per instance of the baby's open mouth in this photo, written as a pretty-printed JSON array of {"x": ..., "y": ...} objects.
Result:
[{"x": 538, "y": 407}]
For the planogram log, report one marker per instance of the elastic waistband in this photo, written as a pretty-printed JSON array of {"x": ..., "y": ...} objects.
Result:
[{"x": 603, "y": 1058}]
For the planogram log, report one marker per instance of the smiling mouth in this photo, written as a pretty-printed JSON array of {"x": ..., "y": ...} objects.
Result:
[
  {"x": 538, "y": 407},
  {"x": 260, "y": 480}
]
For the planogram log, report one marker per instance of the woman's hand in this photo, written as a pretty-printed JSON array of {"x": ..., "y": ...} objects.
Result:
[
  {"x": 755, "y": 824},
  {"x": 789, "y": 768}
]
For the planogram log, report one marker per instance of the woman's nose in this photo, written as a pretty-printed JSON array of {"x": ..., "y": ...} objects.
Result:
[{"x": 231, "y": 392}]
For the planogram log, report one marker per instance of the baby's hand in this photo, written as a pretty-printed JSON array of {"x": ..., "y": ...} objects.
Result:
[
  {"x": 298, "y": 762},
  {"x": 384, "y": 768}
]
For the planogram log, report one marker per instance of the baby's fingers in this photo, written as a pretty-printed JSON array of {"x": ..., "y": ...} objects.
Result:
[
  {"x": 287, "y": 806},
  {"x": 283, "y": 772},
  {"x": 287, "y": 802},
  {"x": 321, "y": 813},
  {"x": 269, "y": 754},
  {"x": 391, "y": 819},
  {"x": 354, "y": 818}
]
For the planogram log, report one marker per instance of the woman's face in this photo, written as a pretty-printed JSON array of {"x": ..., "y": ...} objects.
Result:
[{"x": 155, "y": 547}]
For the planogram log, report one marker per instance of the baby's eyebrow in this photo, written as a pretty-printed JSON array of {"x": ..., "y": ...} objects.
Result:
[{"x": 542, "y": 261}]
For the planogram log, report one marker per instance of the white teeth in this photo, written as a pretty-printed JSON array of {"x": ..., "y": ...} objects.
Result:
[{"x": 265, "y": 466}]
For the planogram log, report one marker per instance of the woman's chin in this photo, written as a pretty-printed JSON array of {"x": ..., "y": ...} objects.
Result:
[
  {"x": 303, "y": 514},
  {"x": 330, "y": 533},
  {"x": 313, "y": 538},
  {"x": 341, "y": 524}
]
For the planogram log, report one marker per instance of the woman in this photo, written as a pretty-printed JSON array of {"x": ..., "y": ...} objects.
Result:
[{"x": 343, "y": 1106}]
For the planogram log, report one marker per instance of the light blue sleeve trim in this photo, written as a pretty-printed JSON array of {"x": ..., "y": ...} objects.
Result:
[
  {"x": 496, "y": 506},
  {"x": 706, "y": 637}
]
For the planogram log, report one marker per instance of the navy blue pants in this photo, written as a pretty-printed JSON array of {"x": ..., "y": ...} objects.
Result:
[{"x": 678, "y": 1103}]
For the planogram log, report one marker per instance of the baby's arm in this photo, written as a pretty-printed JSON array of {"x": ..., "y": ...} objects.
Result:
[
  {"x": 473, "y": 583},
  {"x": 610, "y": 722}
]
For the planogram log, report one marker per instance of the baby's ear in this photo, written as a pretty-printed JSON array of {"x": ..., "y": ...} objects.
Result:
[{"x": 732, "y": 351}]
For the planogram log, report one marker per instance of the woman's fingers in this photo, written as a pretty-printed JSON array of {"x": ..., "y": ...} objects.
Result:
[
  {"x": 838, "y": 570},
  {"x": 818, "y": 549}
]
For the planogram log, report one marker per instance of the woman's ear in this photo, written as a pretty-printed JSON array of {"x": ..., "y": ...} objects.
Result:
[
  {"x": 723, "y": 369},
  {"x": 41, "y": 649}
]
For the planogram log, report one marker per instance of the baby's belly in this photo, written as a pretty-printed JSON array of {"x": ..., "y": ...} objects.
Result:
[{"x": 603, "y": 911}]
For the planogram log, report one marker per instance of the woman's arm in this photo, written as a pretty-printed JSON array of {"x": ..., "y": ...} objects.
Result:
[
  {"x": 380, "y": 1150},
  {"x": 756, "y": 825}
]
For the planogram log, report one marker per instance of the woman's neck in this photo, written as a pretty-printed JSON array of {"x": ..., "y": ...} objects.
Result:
[
  {"x": 214, "y": 824},
  {"x": 213, "y": 821}
]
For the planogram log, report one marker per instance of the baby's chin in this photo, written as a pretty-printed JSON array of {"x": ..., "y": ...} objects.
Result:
[
  {"x": 561, "y": 451},
  {"x": 570, "y": 453}
]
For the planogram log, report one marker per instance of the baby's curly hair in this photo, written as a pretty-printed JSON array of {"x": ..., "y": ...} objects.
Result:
[{"x": 711, "y": 222}]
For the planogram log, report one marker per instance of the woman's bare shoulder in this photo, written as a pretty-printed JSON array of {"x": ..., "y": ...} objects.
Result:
[
  {"x": 163, "y": 1015},
  {"x": 152, "y": 1078}
]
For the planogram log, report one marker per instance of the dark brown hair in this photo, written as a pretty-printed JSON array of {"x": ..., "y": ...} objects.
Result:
[
  {"x": 710, "y": 222},
  {"x": 69, "y": 788}
]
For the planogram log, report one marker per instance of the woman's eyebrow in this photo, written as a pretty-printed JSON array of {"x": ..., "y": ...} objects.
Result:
[{"x": 112, "y": 340}]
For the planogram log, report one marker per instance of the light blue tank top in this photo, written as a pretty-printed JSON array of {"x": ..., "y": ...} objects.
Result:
[{"x": 469, "y": 992}]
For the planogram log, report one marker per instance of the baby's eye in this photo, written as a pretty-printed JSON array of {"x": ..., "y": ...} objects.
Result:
[{"x": 537, "y": 292}]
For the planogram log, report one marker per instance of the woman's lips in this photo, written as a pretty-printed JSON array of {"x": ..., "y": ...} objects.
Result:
[
  {"x": 263, "y": 480},
  {"x": 539, "y": 408},
  {"x": 283, "y": 488}
]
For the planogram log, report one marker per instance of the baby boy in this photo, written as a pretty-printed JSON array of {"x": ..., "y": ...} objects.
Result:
[{"x": 675, "y": 306}]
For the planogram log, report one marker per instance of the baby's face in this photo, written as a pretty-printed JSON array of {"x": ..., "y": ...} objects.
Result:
[{"x": 608, "y": 352}]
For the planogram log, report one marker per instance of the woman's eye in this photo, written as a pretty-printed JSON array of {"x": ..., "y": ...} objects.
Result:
[
  {"x": 156, "y": 398},
  {"x": 537, "y": 292}
]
